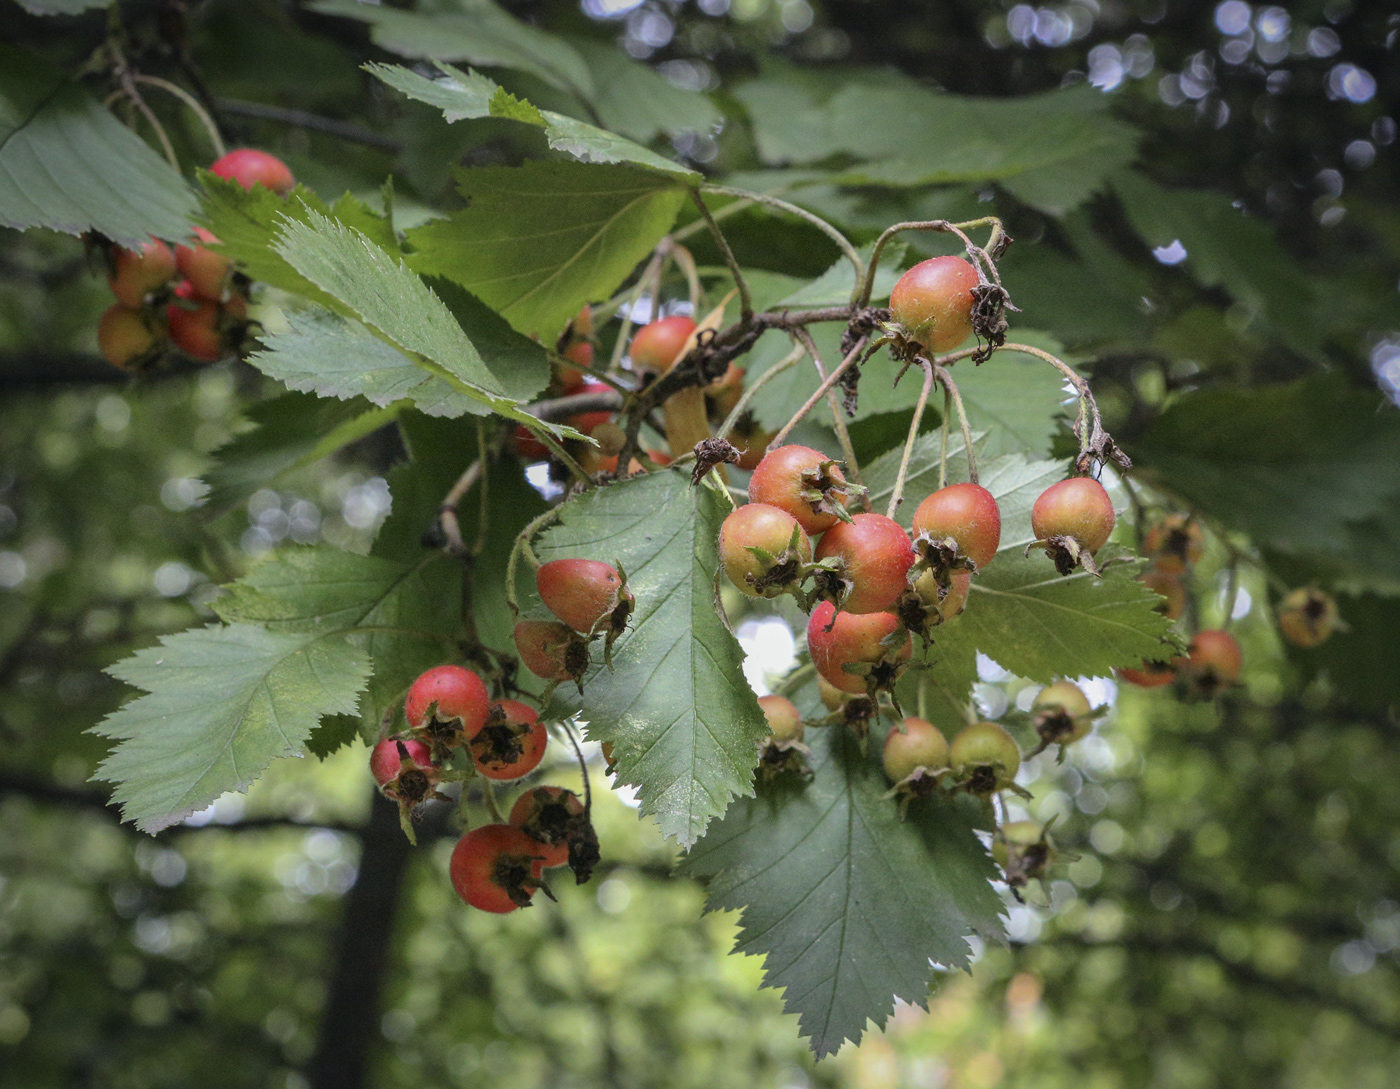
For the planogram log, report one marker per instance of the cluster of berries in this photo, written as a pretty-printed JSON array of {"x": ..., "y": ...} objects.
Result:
[
  {"x": 189, "y": 297},
  {"x": 591, "y": 601},
  {"x": 496, "y": 867},
  {"x": 872, "y": 586},
  {"x": 918, "y": 759}
]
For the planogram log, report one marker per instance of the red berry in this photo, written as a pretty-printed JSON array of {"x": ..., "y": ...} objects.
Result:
[
  {"x": 967, "y": 513},
  {"x": 496, "y": 868},
  {"x": 206, "y": 271},
  {"x": 876, "y": 556},
  {"x": 933, "y": 301},
  {"x": 802, "y": 481},
  {"x": 137, "y": 273},
  {"x": 657, "y": 346},
  {"x": 1307, "y": 617},
  {"x": 551, "y": 650},
  {"x": 548, "y": 815},
  {"x": 526, "y": 447},
  {"x": 1170, "y": 588},
  {"x": 784, "y": 719},
  {"x": 447, "y": 706},
  {"x": 249, "y": 167},
  {"x": 587, "y": 421},
  {"x": 582, "y": 592},
  {"x": 571, "y": 378},
  {"x": 856, "y": 641},
  {"x": 512, "y": 742},
  {"x": 194, "y": 324},
  {"x": 1078, "y": 507},
  {"x": 1214, "y": 662},
  {"x": 758, "y": 525},
  {"x": 385, "y": 759},
  {"x": 985, "y": 757},
  {"x": 1151, "y": 675},
  {"x": 124, "y": 337},
  {"x": 921, "y": 745}
]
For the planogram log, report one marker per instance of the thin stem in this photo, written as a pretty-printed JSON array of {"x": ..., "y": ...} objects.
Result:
[
  {"x": 862, "y": 297},
  {"x": 796, "y": 679},
  {"x": 838, "y": 419},
  {"x": 557, "y": 449},
  {"x": 488, "y": 795},
  {"x": 140, "y": 103},
  {"x": 897, "y": 496},
  {"x": 815, "y": 220},
  {"x": 483, "y": 513},
  {"x": 1088, "y": 424},
  {"x": 522, "y": 544},
  {"x": 194, "y": 105},
  {"x": 831, "y": 380},
  {"x": 582, "y": 764},
  {"x": 1232, "y": 593},
  {"x": 952, "y": 388},
  {"x": 943, "y": 446},
  {"x": 343, "y": 130},
  {"x": 757, "y": 384},
  {"x": 745, "y": 300},
  {"x": 447, "y": 510},
  {"x": 636, "y": 293},
  {"x": 699, "y": 225},
  {"x": 686, "y": 261}
]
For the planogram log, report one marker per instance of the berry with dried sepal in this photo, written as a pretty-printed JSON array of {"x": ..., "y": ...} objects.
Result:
[
  {"x": 406, "y": 775},
  {"x": 764, "y": 550},
  {"x": 552, "y": 650},
  {"x": 984, "y": 759},
  {"x": 497, "y": 868},
  {"x": 588, "y": 595},
  {"x": 1213, "y": 663},
  {"x": 658, "y": 345},
  {"x": 782, "y": 750},
  {"x": 933, "y": 301},
  {"x": 1169, "y": 586},
  {"x": 139, "y": 273},
  {"x": 126, "y": 339},
  {"x": 868, "y": 559},
  {"x": 1071, "y": 521},
  {"x": 915, "y": 758},
  {"x": 860, "y": 654},
  {"x": 511, "y": 743},
  {"x": 805, "y": 483},
  {"x": 1174, "y": 544},
  {"x": 961, "y": 523},
  {"x": 557, "y": 819},
  {"x": 1062, "y": 714},
  {"x": 1308, "y": 616},
  {"x": 927, "y": 604},
  {"x": 1024, "y": 852},
  {"x": 1151, "y": 674},
  {"x": 445, "y": 708}
]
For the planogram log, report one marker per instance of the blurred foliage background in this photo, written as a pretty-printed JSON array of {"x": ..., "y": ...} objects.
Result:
[{"x": 1227, "y": 911}]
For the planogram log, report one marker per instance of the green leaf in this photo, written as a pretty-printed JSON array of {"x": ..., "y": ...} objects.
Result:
[
  {"x": 1016, "y": 399},
  {"x": 1225, "y": 248},
  {"x": 1308, "y": 467},
  {"x": 470, "y": 95},
  {"x": 538, "y": 241},
  {"x": 247, "y": 222},
  {"x": 477, "y": 32},
  {"x": 921, "y": 478},
  {"x": 675, "y": 706},
  {"x": 69, "y": 165},
  {"x": 635, "y": 100},
  {"x": 290, "y": 431},
  {"x": 389, "y": 298},
  {"x": 1052, "y": 150},
  {"x": 412, "y": 609},
  {"x": 222, "y": 704},
  {"x": 835, "y": 286},
  {"x": 848, "y": 903}
]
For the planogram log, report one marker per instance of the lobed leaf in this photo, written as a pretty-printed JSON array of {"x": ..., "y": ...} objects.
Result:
[
  {"x": 848, "y": 903},
  {"x": 538, "y": 241},
  {"x": 675, "y": 706},
  {"x": 222, "y": 704},
  {"x": 470, "y": 96}
]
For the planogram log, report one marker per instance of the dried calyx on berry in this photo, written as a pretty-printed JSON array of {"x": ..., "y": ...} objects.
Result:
[
  {"x": 1071, "y": 521},
  {"x": 559, "y": 821},
  {"x": 915, "y": 758},
  {"x": 406, "y": 775},
  {"x": 782, "y": 751},
  {"x": 1025, "y": 853},
  {"x": 1062, "y": 714}
]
